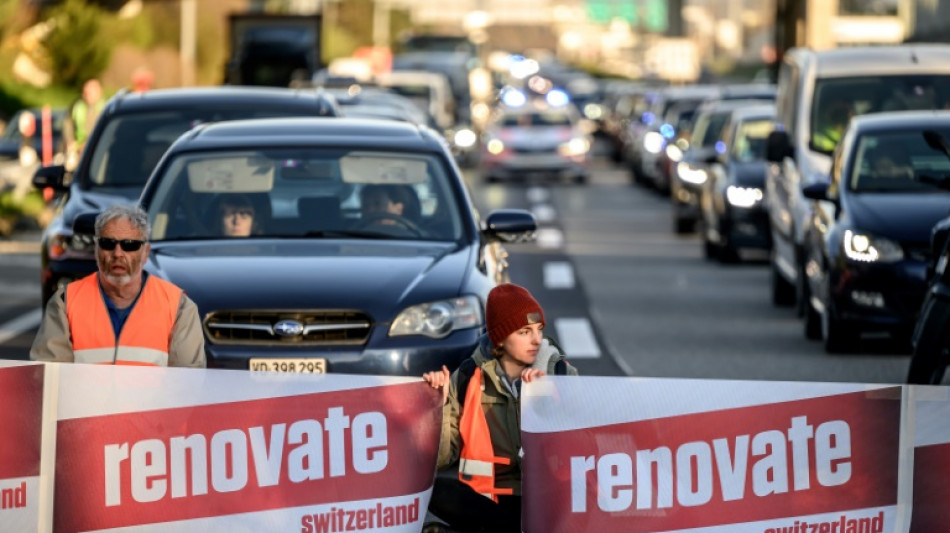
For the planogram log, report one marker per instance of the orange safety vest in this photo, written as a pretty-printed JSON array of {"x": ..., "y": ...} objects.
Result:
[
  {"x": 477, "y": 459},
  {"x": 146, "y": 335}
]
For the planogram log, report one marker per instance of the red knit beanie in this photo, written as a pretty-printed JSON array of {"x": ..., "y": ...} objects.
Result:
[{"x": 510, "y": 308}]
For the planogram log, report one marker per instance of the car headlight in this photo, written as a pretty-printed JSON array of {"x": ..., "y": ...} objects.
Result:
[
  {"x": 866, "y": 248},
  {"x": 495, "y": 146},
  {"x": 687, "y": 173},
  {"x": 575, "y": 147},
  {"x": 674, "y": 152},
  {"x": 653, "y": 142},
  {"x": 743, "y": 196},
  {"x": 465, "y": 138},
  {"x": 438, "y": 319},
  {"x": 67, "y": 245}
]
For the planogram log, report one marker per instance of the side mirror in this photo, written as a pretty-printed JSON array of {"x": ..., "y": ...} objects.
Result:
[
  {"x": 53, "y": 176},
  {"x": 778, "y": 146},
  {"x": 510, "y": 225},
  {"x": 816, "y": 191},
  {"x": 85, "y": 223}
]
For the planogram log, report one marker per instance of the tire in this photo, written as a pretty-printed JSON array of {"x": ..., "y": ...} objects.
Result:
[
  {"x": 783, "y": 292},
  {"x": 812, "y": 319},
  {"x": 928, "y": 362},
  {"x": 683, "y": 225},
  {"x": 838, "y": 336}
]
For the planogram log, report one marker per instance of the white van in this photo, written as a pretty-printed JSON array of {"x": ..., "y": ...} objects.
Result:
[
  {"x": 428, "y": 90},
  {"x": 814, "y": 89}
]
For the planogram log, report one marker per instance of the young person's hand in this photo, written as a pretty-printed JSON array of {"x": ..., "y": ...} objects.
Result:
[
  {"x": 529, "y": 374},
  {"x": 439, "y": 379}
]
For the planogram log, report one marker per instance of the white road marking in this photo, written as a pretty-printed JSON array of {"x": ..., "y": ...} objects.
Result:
[
  {"x": 558, "y": 275},
  {"x": 543, "y": 212},
  {"x": 537, "y": 195},
  {"x": 576, "y": 336},
  {"x": 20, "y": 324},
  {"x": 550, "y": 238}
]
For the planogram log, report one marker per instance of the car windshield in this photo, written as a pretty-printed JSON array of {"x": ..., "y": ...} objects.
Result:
[
  {"x": 132, "y": 144},
  {"x": 838, "y": 99},
  {"x": 896, "y": 162},
  {"x": 750, "y": 140},
  {"x": 305, "y": 193},
  {"x": 708, "y": 129}
]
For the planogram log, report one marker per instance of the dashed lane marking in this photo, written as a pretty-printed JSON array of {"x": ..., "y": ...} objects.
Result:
[
  {"x": 544, "y": 212},
  {"x": 537, "y": 195},
  {"x": 577, "y": 338},
  {"x": 550, "y": 238},
  {"x": 558, "y": 275},
  {"x": 20, "y": 324}
]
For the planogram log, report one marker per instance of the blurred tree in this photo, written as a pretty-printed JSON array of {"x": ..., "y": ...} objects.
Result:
[{"x": 77, "y": 47}]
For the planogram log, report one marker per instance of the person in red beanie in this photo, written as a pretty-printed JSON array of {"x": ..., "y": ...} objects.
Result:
[{"x": 481, "y": 422}]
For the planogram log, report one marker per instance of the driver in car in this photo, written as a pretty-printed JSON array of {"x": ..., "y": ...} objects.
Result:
[{"x": 377, "y": 201}]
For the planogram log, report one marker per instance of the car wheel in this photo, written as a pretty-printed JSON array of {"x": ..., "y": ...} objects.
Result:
[
  {"x": 580, "y": 179},
  {"x": 727, "y": 252},
  {"x": 783, "y": 292},
  {"x": 710, "y": 250},
  {"x": 812, "y": 318},
  {"x": 839, "y": 337},
  {"x": 683, "y": 225},
  {"x": 928, "y": 362}
]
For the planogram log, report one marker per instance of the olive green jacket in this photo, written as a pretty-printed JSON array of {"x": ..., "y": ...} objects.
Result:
[{"x": 502, "y": 413}]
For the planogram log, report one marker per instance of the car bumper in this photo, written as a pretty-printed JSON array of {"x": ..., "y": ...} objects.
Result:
[
  {"x": 748, "y": 228},
  {"x": 61, "y": 272},
  {"x": 383, "y": 355},
  {"x": 518, "y": 166},
  {"x": 879, "y": 296}
]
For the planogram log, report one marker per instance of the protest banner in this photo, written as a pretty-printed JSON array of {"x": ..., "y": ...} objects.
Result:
[
  {"x": 930, "y": 413},
  {"x": 21, "y": 422},
  {"x": 171, "y": 449},
  {"x": 659, "y": 455}
]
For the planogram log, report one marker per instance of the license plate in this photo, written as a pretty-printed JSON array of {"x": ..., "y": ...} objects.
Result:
[{"x": 291, "y": 366}]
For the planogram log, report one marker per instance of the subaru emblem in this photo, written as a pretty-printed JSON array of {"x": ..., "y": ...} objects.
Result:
[{"x": 288, "y": 328}]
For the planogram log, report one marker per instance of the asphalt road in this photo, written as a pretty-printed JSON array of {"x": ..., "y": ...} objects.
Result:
[{"x": 622, "y": 293}]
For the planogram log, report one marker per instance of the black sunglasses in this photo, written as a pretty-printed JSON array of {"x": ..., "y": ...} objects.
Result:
[{"x": 127, "y": 245}]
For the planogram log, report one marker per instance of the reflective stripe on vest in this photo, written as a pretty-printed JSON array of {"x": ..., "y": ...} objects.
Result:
[
  {"x": 145, "y": 337},
  {"x": 477, "y": 459}
]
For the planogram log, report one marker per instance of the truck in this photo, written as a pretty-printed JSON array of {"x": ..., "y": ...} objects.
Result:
[{"x": 273, "y": 50}]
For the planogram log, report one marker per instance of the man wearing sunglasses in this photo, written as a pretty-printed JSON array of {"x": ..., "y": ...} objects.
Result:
[{"x": 121, "y": 314}]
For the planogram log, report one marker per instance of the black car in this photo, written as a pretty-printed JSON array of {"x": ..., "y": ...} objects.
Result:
[
  {"x": 690, "y": 173},
  {"x": 130, "y": 136},
  {"x": 324, "y": 284},
  {"x": 867, "y": 246},
  {"x": 732, "y": 199}
]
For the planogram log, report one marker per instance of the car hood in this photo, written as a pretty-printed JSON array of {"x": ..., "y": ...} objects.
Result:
[
  {"x": 902, "y": 216},
  {"x": 750, "y": 174},
  {"x": 81, "y": 201},
  {"x": 378, "y": 277}
]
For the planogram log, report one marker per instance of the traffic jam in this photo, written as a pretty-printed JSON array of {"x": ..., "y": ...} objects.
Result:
[{"x": 685, "y": 298}]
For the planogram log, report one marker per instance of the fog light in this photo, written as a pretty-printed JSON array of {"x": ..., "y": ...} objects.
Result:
[{"x": 868, "y": 299}]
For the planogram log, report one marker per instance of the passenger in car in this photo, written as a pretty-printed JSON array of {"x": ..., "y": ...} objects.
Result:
[
  {"x": 236, "y": 215},
  {"x": 481, "y": 429}
]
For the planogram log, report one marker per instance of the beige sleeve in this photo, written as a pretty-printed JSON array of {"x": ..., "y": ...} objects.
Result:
[
  {"x": 52, "y": 341},
  {"x": 187, "y": 346},
  {"x": 450, "y": 445}
]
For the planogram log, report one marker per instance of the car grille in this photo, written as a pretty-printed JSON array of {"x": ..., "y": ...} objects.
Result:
[
  {"x": 534, "y": 149},
  {"x": 321, "y": 327}
]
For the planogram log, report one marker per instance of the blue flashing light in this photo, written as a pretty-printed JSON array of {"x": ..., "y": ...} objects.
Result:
[
  {"x": 557, "y": 98},
  {"x": 667, "y": 131},
  {"x": 647, "y": 118},
  {"x": 720, "y": 147}
]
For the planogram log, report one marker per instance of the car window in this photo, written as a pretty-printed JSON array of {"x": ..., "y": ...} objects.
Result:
[
  {"x": 837, "y": 100},
  {"x": 306, "y": 192},
  {"x": 895, "y": 161},
  {"x": 750, "y": 140},
  {"x": 131, "y": 144}
]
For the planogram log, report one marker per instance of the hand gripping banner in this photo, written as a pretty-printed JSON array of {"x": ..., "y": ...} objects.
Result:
[
  {"x": 649, "y": 455},
  {"x": 179, "y": 450}
]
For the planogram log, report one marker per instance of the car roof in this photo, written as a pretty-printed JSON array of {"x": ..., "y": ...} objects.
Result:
[
  {"x": 309, "y": 131},
  {"x": 891, "y": 120},
  {"x": 878, "y": 60},
  {"x": 222, "y": 96},
  {"x": 754, "y": 112}
]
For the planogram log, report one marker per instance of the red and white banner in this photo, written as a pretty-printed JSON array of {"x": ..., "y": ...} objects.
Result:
[
  {"x": 21, "y": 424},
  {"x": 931, "y": 423},
  {"x": 181, "y": 450},
  {"x": 629, "y": 455}
]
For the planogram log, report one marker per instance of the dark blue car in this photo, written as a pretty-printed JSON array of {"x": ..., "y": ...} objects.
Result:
[{"x": 324, "y": 282}]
